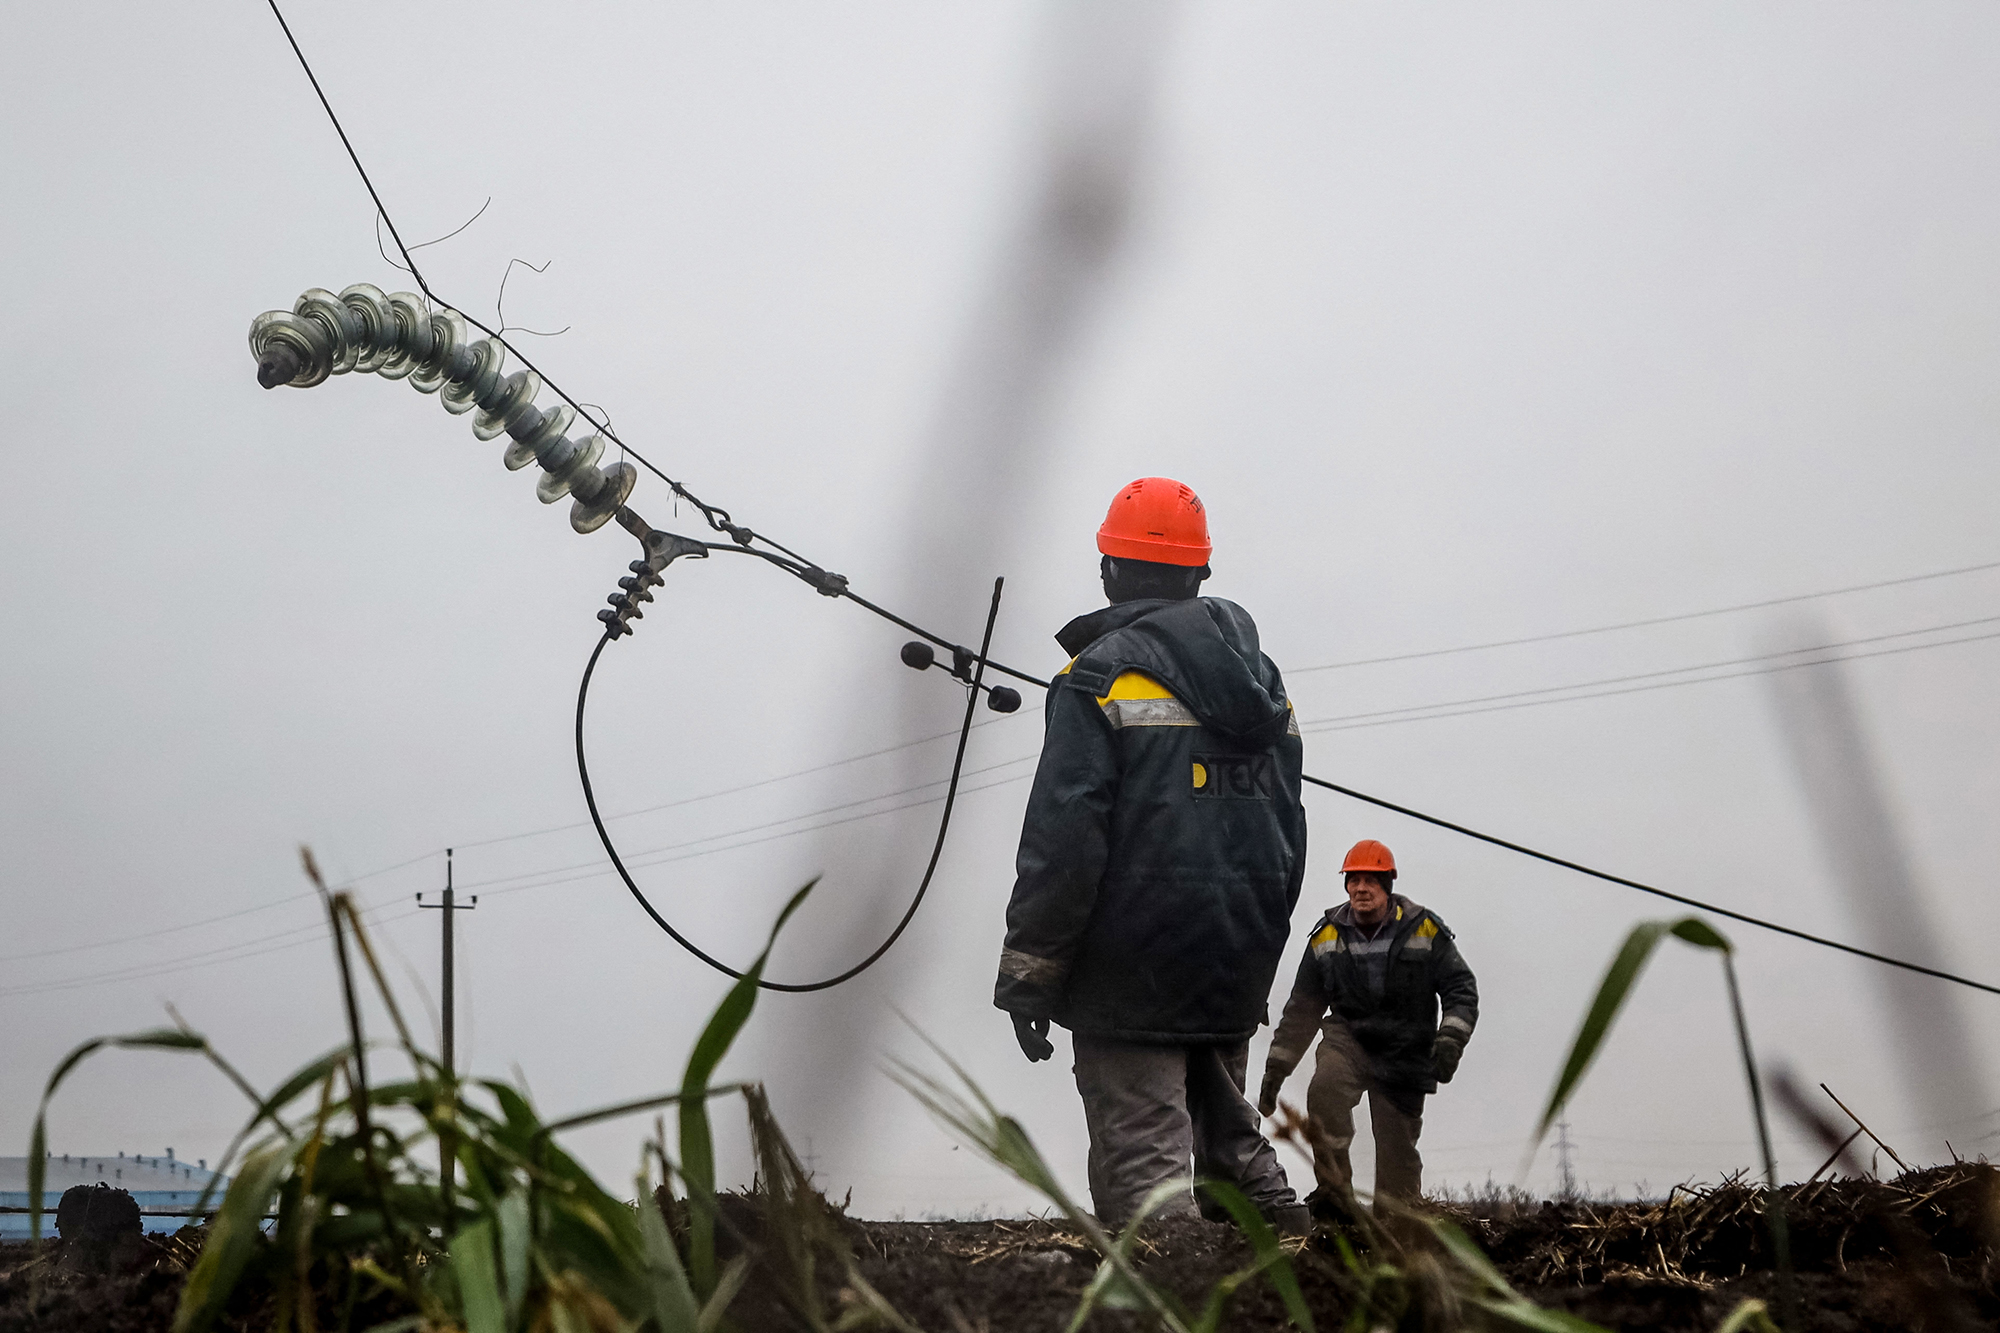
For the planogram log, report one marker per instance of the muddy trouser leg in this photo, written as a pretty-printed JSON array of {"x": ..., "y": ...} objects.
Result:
[
  {"x": 1396, "y": 1118},
  {"x": 1340, "y": 1076},
  {"x": 1229, "y": 1144},
  {"x": 1135, "y": 1105}
]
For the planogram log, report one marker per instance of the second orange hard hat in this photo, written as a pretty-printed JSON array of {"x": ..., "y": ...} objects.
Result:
[
  {"x": 1157, "y": 519},
  {"x": 1369, "y": 857}
]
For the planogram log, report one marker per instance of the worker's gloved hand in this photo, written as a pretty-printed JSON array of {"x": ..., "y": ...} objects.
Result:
[
  {"x": 1033, "y": 1034},
  {"x": 1445, "y": 1052},
  {"x": 1267, "y": 1096}
]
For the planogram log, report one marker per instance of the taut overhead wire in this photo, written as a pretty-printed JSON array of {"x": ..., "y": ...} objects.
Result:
[{"x": 1610, "y": 878}]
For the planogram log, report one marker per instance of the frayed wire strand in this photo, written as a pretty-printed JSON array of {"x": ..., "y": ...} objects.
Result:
[{"x": 500, "y": 301}]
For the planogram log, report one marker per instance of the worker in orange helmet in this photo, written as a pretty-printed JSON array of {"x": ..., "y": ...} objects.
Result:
[
  {"x": 1161, "y": 857},
  {"x": 1384, "y": 967}
]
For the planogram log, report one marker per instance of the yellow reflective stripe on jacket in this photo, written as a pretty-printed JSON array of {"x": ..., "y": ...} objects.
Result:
[
  {"x": 1135, "y": 685},
  {"x": 1137, "y": 700}
]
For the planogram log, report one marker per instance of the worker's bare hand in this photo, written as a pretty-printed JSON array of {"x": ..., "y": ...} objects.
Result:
[{"x": 1033, "y": 1034}]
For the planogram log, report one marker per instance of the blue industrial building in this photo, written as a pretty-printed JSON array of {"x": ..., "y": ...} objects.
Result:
[{"x": 159, "y": 1184}]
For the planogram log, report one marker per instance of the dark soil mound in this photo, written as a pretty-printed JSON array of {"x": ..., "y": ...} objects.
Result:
[
  {"x": 1917, "y": 1253},
  {"x": 97, "y": 1214},
  {"x": 75, "y": 1285},
  {"x": 1949, "y": 1213}
]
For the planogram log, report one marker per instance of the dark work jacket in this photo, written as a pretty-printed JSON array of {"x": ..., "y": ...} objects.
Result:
[
  {"x": 1398, "y": 1027},
  {"x": 1165, "y": 840}
]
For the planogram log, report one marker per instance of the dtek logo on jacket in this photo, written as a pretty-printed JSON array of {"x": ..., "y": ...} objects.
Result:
[{"x": 1227, "y": 777}]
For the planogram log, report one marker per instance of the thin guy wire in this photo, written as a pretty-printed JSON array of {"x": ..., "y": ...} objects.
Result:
[
  {"x": 151, "y": 934},
  {"x": 657, "y": 860},
  {"x": 759, "y": 828},
  {"x": 183, "y": 962},
  {"x": 344, "y": 883},
  {"x": 1655, "y": 620},
  {"x": 737, "y": 790},
  {"x": 1682, "y": 671},
  {"x": 1325, "y": 725}
]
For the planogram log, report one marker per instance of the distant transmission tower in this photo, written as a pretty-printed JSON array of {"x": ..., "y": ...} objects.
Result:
[{"x": 1567, "y": 1167}]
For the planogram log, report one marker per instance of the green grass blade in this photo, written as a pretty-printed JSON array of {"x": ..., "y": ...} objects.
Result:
[
  {"x": 1500, "y": 1299},
  {"x": 1611, "y": 992},
  {"x": 1469, "y": 1256},
  {"x": 796, "y": 1228},
  {"x": 1276, "y": 1264},
  {"x": 1345, "y": 1249},
  {"x": 995, "y": 1134},
  {"x": 674, "y": 1308},
  {"x": 478, "y": 1276},
  {"x": 1699, "y": 933},
  {"x": 697, "y": 1142},
  {"x": 1109, "y": 1288},
  {"x": 1210, "y": 1320},
  {"x": 1218, "y": 1299},
  {"x": 1002, "y": 1140},
  {"x": 167, "y": 1039},
  {"x": 1524, "y": 1313},
  {"x": 291, "y": 1088},
  {"x": 267, "y": 1109},
  {"x": 631, "y": 1108},
  {"x": 232, "y": 1237},
  {"x": 1156, "y": 1198},
  {"x": 1750, "y": 1316},
  {"x": 734, "y": 1275},
  {"x": 512, "y": 1219}
]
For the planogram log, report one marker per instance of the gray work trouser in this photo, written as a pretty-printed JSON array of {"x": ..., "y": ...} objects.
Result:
[
  {"x": 1342, "y": 1072},
  {"x": 1151, "y": 1109}
]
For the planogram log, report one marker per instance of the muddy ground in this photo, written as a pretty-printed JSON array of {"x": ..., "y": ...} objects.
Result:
[{"x": 1916, "y": 1254}]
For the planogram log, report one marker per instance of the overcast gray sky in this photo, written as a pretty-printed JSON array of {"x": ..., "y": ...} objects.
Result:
[{"x": 1468, "y": 322}]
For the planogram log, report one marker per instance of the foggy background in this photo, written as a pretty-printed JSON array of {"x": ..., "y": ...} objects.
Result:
[{"x": 1469, "y": 323}]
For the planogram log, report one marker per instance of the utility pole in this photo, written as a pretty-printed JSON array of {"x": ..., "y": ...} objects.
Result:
[
  {"x": 1568, "y": 1169},
  {"x": 447, "y": 1140}
]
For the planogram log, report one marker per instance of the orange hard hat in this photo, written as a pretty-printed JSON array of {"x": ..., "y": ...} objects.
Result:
[
  {"x": 1156, "y": 519},
  {"x": 1369, "y": 857}
]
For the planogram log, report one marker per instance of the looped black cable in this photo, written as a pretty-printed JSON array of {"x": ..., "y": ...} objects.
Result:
[{"x": 923, "y": 886}]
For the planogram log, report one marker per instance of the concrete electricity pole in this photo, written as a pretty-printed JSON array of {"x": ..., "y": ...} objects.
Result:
[
  {"x": 450, "y": 908},
  {"x": 1568, "y": 1170},
  {"x": 447, "y": 1141}
]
